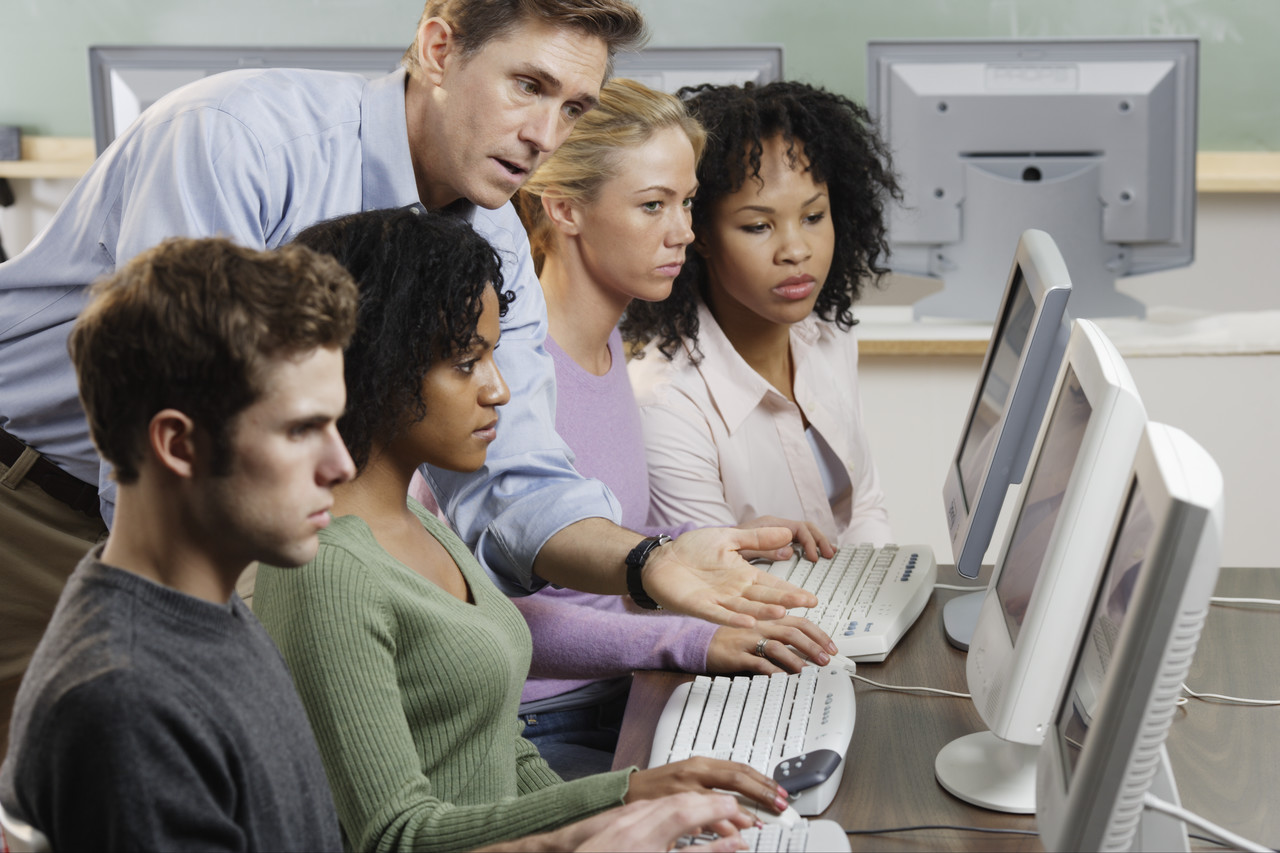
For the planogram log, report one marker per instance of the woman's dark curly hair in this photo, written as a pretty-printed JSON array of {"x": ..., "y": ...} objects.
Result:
[
  {"x": 838, "y": 141},
  {"x": 421, "y": 278}
]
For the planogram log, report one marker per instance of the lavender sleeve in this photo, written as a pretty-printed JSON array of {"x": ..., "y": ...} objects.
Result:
[{"x": 579, "y": 637}]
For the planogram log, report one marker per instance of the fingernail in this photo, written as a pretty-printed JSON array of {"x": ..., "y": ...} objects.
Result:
[
  {"x": 831, "y": 647},
  {"x": 780, "y": 804},
  {"x": 823, "y": 659}
]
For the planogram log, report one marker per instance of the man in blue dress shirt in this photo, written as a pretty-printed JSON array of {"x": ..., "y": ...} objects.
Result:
[{"x": 488, "y": 90}]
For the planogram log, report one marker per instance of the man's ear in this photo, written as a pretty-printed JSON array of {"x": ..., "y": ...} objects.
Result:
[
  {"x": 565, "y": 216},
  {"x": 436, "y": 47},
  {"x": 171, "y": 438}
]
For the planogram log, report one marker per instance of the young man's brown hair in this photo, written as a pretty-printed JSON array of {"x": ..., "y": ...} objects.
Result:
[
  {"x": 475, "y": 23},
  {"x": 152, "y": 339}
]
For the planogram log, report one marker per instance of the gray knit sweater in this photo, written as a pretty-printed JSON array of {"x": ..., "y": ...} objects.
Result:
[
  {"x": 412, "y": 694},
  {"x": 152, "y": 720}
]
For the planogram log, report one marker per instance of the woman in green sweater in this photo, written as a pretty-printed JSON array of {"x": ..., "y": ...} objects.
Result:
[{"x": 409, "y": 661}]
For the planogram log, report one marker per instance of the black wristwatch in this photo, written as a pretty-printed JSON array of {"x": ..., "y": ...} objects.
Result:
[{"x": 635, "y": 562}]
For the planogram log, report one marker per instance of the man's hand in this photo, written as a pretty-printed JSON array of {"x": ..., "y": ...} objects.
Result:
[
  {"x": 812, "y": 541},
  {"x": 702, "y": 573},
  {"x": 790, "y": 643}
]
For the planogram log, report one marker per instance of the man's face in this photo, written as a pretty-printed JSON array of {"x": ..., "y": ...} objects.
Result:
[
  {"x": 286, "y": 457},
  {"x": 500, "y": 112}
]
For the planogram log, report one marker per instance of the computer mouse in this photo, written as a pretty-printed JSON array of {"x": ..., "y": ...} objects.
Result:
[{"x": 802, "y": 772}]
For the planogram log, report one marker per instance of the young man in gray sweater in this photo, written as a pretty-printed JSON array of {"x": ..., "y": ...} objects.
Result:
[{"x": 157, "y": 714}]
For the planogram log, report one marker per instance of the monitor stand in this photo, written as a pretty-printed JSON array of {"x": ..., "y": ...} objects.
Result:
[
  {"x": 960, "y": 617},
  {"x": 990, "y": 772},
  {"x": 1158, "y": 831}
]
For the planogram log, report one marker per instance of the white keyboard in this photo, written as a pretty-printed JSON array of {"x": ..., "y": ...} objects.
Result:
[
  {"x": 765, "y": 721},
  {"x": 819, "y": 836},
  {"x": 867, "y": 597}
]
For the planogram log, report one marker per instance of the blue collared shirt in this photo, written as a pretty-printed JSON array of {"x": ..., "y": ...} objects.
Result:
[{"x": 257, "y": 156}]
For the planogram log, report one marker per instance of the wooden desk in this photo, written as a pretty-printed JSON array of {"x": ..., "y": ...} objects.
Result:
[{"x": 1226, "y": 758}]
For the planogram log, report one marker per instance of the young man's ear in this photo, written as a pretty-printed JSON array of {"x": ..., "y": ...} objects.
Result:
[
  {"x": 171, "y": 438},
  {"x": 436, "y": 47},
  {"x": 563, "y": 213}
]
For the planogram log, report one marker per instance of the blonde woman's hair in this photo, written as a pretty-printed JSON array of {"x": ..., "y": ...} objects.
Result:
[{"x": 628, "y": 115}]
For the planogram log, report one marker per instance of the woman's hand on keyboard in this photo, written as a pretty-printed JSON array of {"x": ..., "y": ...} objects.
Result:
[
  {"x": 705, "y": 775},
  {"x": 790, "y": 643},
  {"x": 659, "y": 824},
  {"x": 812, "y": 541}
]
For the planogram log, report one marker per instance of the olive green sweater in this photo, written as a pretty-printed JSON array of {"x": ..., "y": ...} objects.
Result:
[{"x": 412, "y": 695}]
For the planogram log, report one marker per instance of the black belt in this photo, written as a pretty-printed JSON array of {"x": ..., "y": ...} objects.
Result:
[{"x": 71, "y": 490}]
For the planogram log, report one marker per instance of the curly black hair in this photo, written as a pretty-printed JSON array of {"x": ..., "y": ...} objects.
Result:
[
  {"x": 836, "y": 138},
  {"x": 421, "y": 278}
]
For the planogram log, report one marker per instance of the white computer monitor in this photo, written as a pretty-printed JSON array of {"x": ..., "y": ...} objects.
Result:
[
  {"x": 1092, "y": 140},
  {"x": 1026, "y": 346},
  {"x": 126, "y": 79},
  {"x": 1044, "y": 577},
  {"x": 1105, "y": 747}
]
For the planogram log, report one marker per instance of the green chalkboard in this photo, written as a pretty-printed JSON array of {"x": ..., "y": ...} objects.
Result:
[{"x": 44, "y": 67}]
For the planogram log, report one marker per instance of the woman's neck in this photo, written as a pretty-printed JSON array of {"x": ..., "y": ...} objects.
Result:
[
  {"x": 763, "y": 345},
  {"x": 581, "y": 314},
  {"x": 377, "y": 494}
]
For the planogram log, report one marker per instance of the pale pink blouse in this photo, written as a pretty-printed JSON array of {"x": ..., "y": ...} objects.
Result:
[{"x": 724, "y": 446}]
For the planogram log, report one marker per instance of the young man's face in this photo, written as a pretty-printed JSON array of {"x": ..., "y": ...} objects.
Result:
[
  {"x": 286, "y": 457},
  {"x": 502, "y": 111}
]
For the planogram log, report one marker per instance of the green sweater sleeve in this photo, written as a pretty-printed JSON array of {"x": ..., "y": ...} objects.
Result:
[{"x": 338, "y": 628}]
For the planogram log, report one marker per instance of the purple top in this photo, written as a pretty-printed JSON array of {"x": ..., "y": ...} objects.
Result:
[{"x": 581, "y": 637}]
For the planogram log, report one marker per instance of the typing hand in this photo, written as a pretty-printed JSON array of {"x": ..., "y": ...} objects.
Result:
[
  {"x": 812, "y": 541},
  {"x": 788, "y": 644},
  {"x": 702, "y": 573},
  {"x": 704, "y": 775},
  {"x": 647, "y": 825}
]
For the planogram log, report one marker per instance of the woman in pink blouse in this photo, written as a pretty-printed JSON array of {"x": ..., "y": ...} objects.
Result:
[{"x": 748, "y": 386}]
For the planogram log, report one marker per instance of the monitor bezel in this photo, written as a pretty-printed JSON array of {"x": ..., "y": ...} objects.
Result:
[
  {"x": 1102, "y": 806},
  {"x": 760, "y": 63},
  {"x": 214, "y": 59},
  {"x": 1013, "y": 684},
  {"x": 1039, "y": 267}
]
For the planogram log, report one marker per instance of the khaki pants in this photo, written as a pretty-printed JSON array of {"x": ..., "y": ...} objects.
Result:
[{"x": 42, "y": 541}]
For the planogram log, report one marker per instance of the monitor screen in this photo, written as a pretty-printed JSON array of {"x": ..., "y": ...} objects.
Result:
[
  {"x": 1009, "y": 340},
  {"x": 1046, "y": 488},
  {"x": 1123, "y": 565},
  {"x": 1091, "y": 140},
  {"x": 1009, "y": 399},
  {"x": 1105, "y": 747}
]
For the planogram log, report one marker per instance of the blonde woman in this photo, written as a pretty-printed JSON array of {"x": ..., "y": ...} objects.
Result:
[{"x": 609, "y": 221}]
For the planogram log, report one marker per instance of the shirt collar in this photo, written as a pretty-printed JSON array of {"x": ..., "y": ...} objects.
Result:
[
  {"x": 387, "y": 168},
  {"x": 734, "y": 386}
]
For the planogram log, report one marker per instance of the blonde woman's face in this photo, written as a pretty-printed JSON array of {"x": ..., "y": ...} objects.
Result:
[{"x": 633, "y": 236}]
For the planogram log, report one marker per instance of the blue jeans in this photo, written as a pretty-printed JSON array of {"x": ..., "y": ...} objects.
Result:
[{"x": 579, "y": 741}]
